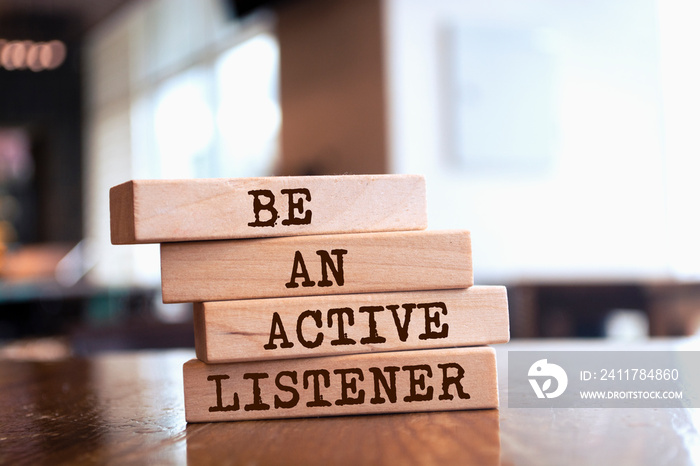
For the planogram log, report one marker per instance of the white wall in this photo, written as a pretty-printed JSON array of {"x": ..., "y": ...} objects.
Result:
[{"x": 613, "y": 198}]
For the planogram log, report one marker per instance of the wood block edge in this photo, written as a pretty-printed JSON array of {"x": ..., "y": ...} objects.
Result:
[
  {"x": 200, "y": 341},
  {"x": 121, "y": 213}
]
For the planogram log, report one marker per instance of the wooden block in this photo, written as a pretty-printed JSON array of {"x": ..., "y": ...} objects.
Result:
[
  {"x": 158, "y": 211},
  {"x": 401, "y": 381},
  {"x": 280, "y": 328},
  {"x": 315, "y": 265}
]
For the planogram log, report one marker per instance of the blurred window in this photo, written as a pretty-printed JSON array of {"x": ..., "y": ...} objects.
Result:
[
  {"x": 175, "y": 89},
  {"x": 218, "y": 118}
]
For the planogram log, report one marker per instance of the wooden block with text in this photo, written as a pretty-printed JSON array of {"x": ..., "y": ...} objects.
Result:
[
  {"x": 157, "y": 211},
  {"x": 281, "y": 328},
  {"x": 387, "y": 382},
  {"x": 315, "y": 265}
]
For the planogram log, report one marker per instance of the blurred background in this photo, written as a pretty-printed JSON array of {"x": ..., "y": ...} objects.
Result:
[{"x": 564, "y": 135}]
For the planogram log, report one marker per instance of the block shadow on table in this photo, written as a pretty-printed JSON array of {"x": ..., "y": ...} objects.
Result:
[{"x": 456, "y": 437}]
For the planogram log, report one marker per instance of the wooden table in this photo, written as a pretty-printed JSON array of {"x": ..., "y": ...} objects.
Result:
[{"x": 128, "y": 409}]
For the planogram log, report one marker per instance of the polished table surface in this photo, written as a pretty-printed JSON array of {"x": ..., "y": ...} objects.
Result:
[{"x": 128, "y": 409}]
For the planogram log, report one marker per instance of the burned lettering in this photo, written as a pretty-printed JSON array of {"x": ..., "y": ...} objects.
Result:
[
  {"x": 297, "y": 205},
  {"x": 277, "y": 333},
  {"x": 259, "y": 206}
]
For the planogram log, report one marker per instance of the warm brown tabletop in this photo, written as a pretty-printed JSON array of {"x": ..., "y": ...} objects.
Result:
[{"x": 128, "y": 409}]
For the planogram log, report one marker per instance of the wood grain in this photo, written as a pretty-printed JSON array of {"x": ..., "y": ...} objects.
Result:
[
  {"x": 127, "y": 407},
  {"x": 157, "y": 211},
  {"x": 387, "y": 382},
  {"x": 266, "y": 268},
  {"x": 280, "y": 328},
  {"x": 447, "y": 438}
]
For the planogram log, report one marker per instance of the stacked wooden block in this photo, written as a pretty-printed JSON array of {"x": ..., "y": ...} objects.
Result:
[{"x": 317, "y": 296}]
